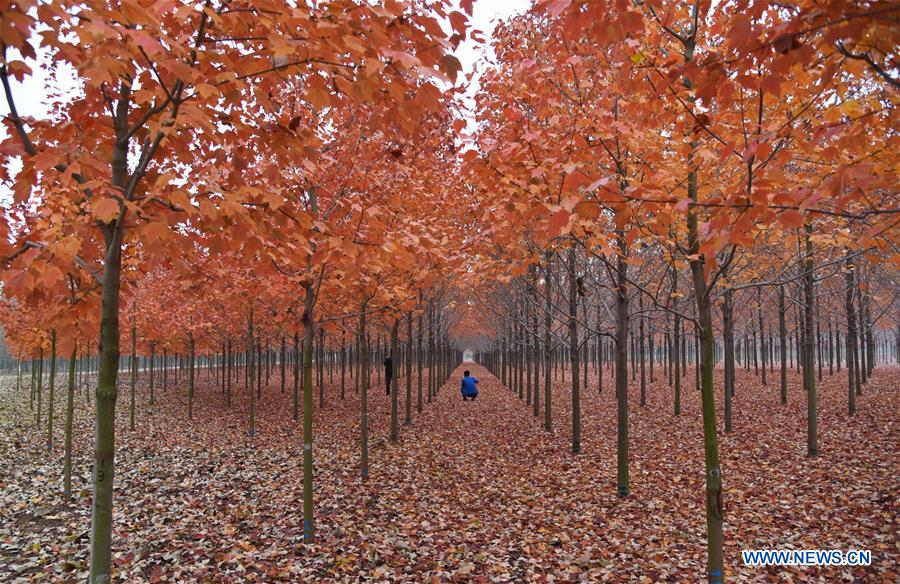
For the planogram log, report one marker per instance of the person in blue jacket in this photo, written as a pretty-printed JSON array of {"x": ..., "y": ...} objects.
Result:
[{"x": 468, "y": 386}]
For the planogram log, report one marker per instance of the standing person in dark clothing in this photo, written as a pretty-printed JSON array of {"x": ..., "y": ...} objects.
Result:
[{"x": 388, "y": 372}]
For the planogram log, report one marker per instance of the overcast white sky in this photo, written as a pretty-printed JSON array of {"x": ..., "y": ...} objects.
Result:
[
  {"x": 484, "y": 16},
  {"x": 34, "y": 95}
]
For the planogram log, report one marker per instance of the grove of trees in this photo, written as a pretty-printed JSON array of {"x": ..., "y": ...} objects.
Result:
[{"x": 254, "y": 204}]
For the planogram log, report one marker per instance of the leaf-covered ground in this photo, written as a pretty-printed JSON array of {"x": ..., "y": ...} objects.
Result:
[{"x": 473, "y": 492}]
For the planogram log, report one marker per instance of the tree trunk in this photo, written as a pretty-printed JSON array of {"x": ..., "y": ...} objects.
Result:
[
  {"x": 573, "y": 354},
  {"x": 548, "y": 352},
  {"x": 395, "y": 430},
  {"x": 133, "y": 378},
  {"x": 364, "y": 399},
  {"x": 70, "y": 414},
  {"x": 105, "y": 432},
  {"x": 728, "y": 331},
  {"x": 762, "y": 334},
  {"x": 229, "y": 363},
  {"x": 299, "y": 355},
  {"x": 830, "y": 335},
  {"x": 676, "y": 347},
  {"x": 420, "y": 361},
  {"x": 526, "y": 315},
  {"x": 641, "y": 345},
  {"x": 851, "y": 331},
  {"x": 819, "y": 336},
  {"x": 536, "y": 357},
  {"x": 867, "y": 331},
  {"x": 782, "y": 338},
  {"x": 320, "y": 368},
  {"x": 714, "y": 514},
  {"x": 343, "y": 361},
  {"x": 40, "y": 383},
  {"x": 249, "y": 372},
  {"x": 191, "y": 369},
  {"x": 152, "y": 363},
  {"x": 281, "y": 362},
  {"x": 621, "y": 364},
  {"x": 808, "y": 367},
  {"x": 409, "y": 358},
  {"x": 52, "y": 383},
  {"x": 308, "y": 337},
  {"x": 432, "y": 380}
]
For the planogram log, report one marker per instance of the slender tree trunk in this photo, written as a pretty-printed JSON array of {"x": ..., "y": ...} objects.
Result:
[
  {"x": 320, "y": 369},
  {"x": 728, "y": 329},
  {"x": 395, "y": 430},
  {"x": 281, "y": 362},
  {"x": 191, "y": 370},
  {"x": 621, "y": 365},
  {"x": 70, "y": 414},
  {"x": 536, "y": 357},
  {"x": 849, "y": 273},
  {"x": 676, "y": 349},
  {"x": 358, "y": 365},
  {"x": 714, "y": 514},
  {"x": 299, "y": 355},
  {"x": 105, "y": 430},
  {"x": 40, "y": 383},
  {"x": 854, "y": 355},
  {"x": 250, "y": 373},
  {"x": 343, "y": 361},
  {"x": 229, "y": 363},
  {"x": 503, "y": 357},
  {"x": 573, "y": 354},
  {"x": 667, "y": 350},
  {"x": 782, "y": 338},
  {"x": 152, "y": 363},
  {"x": 819, "y": 337},
  {"x": 33, "y": 371},
  {"x": 830, "y": 335},
  {"x": 52, "y": 383},
  {"x": 364, "y": 400},
  {"x": 133, "y": 376},
  {"x": 762, "y": 334},
  {"x": 598, "y": 350},
  {"x": 259, "y": 368},
  {"x": 641, "y": 344},
  {"x": 585, "y": 343},
  {"x": 860, "y": 356},
  {"x": 527, "y": 351},
  {"x": 409, "y": 359},
  {"x": 548, "y": 351},
  {"x": 309, "y": 532},
  {"x": 870, "y": 340},
  {"x": 633, "y": 355},
  {"x": 808, "y": 368},
  {"x": 755, "y": 352},
  {"x": 420, "y": 359},
  {"x": 432, "y": 381}
]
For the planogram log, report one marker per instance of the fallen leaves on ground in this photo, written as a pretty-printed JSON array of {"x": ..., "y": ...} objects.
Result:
[{"x": 473, "y": 492}]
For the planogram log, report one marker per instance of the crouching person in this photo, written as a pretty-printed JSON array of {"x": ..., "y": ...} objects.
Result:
[{"x": 468, "y": 387}]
